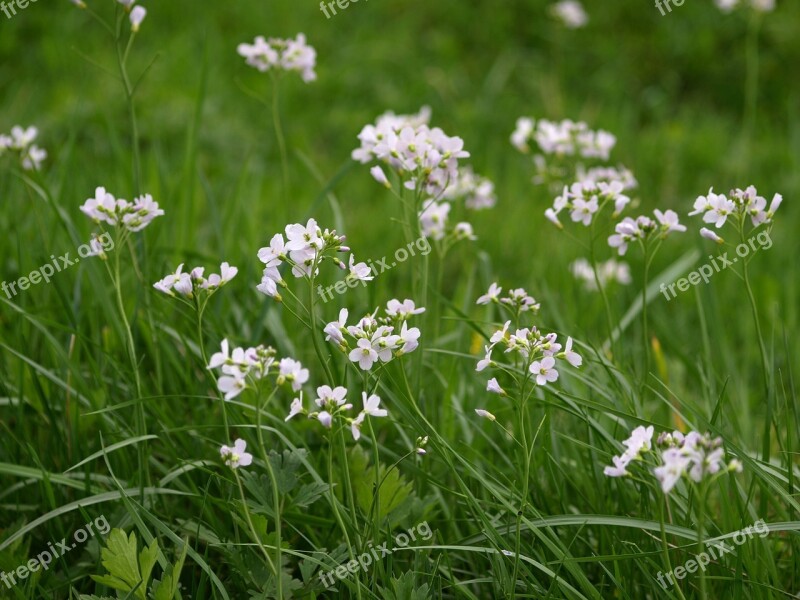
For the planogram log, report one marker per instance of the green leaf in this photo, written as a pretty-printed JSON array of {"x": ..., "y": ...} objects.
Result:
[
  {"x": 310, "y": 493},
  {"x": 147, "y": 560},
  {"x": 285, "y": 467},
  {"x": 119, "y": 559}
]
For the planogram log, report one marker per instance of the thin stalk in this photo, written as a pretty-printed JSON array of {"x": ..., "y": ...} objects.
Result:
[
  {"x": 276, "y": 121},
  {"x": 275, "y": 493},
  {"x": 253, "y": 531}
]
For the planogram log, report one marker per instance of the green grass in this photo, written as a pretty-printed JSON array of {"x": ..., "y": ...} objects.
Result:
[{"x": 673, "y": 89}]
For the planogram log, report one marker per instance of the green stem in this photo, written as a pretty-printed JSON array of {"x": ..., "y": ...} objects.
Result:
[
  {"x": 275, "y": 493},
  {"x": 276, "y": 120},
  {"x": 253, "y": 531},
  {"x": 201, "y": 342}
]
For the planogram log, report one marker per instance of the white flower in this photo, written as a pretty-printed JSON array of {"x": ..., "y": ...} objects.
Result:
[
  {"x": 372, "y": 406},
  {"x": 485, "y": 414},
  {"x": 409, "y": 337},
  {"x": 571, "y": 13},
  {"x": 669, "y": 221},
  {"x": 334, "y": 328},
  {"x": 231, "y": 385},
  {"x": 138, "y": 13},
  {"x": 269, "y": 282},
  {"x": 583, "y": 211},
  {"x": 675, "y": 464},
  {"x": 491, "y": 295},
  {"x": 220, "y": 358},
  {"x": 380, "y": 176},
  {"x": 296, "y": 408},
  {"x": 486, "y": 361},
  {"x": 708, "y": 234},
  {"x": 552, "y": 216},
  {"x": 433, "y": 219},
  {"x": 573, "y": 358},
  {"x": 236, "y": 457},
  {"x": 495, "y": 388},
  {"x": 619, "y": 468},
  {"x": 33, "y": 157},
  {"x": 178, "y": 281},
  {"x": 285, "y": 54},
  {"x": 463, "y": 231},
  {"x": 364, "y": 354},
  {"x": 522, "y": 133},
  {"x": 325, "y": 418},
  {"x": 331, "y": 397},
  {"x": 402, "y": 310},
  {"x": 292, "y": 371},
  {"x": 274, "y": 254},
  {"x": 544, "y": 370},
  {"x": 215, "y": 281},
  {"x": 355, "y": 426},
  {"x": 360, "y": 271}
]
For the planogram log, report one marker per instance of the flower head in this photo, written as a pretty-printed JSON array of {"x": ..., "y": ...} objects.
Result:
[{"x": 236, "y": 457}]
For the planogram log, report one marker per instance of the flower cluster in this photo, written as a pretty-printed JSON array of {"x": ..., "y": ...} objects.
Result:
[
  {"x": 564, "y": 138},
  {"x": 20, "y": 141},
  {"x": 608, "y": 271},
  {"x": 585, "y": 198},
  {"x": 236, "y": 457},
  {"x": 281, "y": 54},
  {"x": 570, "y": 13},
  {"x": 243, "y": 367},
  {"x": 305, "y": 248},
  {"x": 477, "y": 192},
  {"x": 757, "y": 5},
  {"x": 738, "y": 205},
  {"x": 608, "y": 175},
  {"x": 376, "y": 340},
  {"x": 639, "y": 442},
  {"x": 332, "y": 404},
  {"x": 192, "y": 283},
  {"x": 425, "y": 158},
  {"x": 538, "y": 351},
  {"x": 133, "y": 216},
  {"x": 517, "y": 301},
  {"x": 693, "y": 454},
  {"x": 643, "y": 229}
]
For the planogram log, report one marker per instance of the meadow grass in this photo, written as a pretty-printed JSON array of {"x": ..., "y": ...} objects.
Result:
[{"x": 106, "y": 404}]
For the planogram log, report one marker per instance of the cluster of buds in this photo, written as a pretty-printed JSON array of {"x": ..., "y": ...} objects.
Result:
[
  {"x": 304, "y": 249},
  {"x": 738, "y": 205},
  {"x": 332, "y": 404},
  {"x": 425, "y": 158},
  {"x": 132, "y": 216},
  {"x": 518, "y": 301},
  {"x": 376, "y": 339},
  {"x": 275, "y": 54},
  {"x": 694, "y": 455},
  {"x": 193, "y": 283},
  {"x": 20, "y": 142},
  {"x": 643, "y": 229},
  {"x": 586, "y": 198},
  {"x": 244, "y": 367}
]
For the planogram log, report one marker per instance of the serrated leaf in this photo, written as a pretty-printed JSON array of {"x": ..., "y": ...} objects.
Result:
[
  {"x": 393, "y": 491},
  {"x": 119, "y": 559},
  {"x": 310, "y": 493},
  {"x": 285, "y": 467}
]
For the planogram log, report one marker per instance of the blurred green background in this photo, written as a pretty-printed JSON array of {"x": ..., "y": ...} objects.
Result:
[{"x": 672, "y": 88}]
